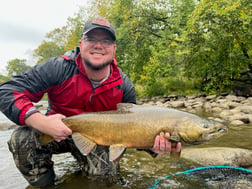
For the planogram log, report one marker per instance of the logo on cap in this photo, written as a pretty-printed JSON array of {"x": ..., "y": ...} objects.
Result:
[{"x": 101, "y": 22}]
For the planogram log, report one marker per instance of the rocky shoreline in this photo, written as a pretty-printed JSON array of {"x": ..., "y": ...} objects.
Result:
[{"x": 228, "y": 108}]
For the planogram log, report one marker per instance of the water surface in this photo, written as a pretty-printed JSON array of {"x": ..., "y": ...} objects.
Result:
[{"x": 138, "y": 169}]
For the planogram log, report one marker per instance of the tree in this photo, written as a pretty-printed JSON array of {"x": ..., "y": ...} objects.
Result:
[
  {"x": 16, "y": 66},
  {"x": 3, "y": 78},
  {"x": 219, "y": 40},
  {"x": 161, "y": 43},
  {"x": 59, "y": 40},
  {"x": 74, "y": 28},
  {"x": 149, "y": 37},
  {"x": 48, "y": 49}
]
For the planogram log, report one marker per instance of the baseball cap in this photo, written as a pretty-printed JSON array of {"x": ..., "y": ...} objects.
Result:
[{"x": 99, "y": 23}]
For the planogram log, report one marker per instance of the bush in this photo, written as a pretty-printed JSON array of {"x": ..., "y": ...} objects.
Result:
[{"x": 166, "y": 86}]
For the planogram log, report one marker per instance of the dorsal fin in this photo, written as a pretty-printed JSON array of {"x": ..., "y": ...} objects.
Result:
[{"x": 124, "y": 107}]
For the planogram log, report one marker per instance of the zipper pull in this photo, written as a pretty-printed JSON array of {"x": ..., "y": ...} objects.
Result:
[{"x": 90, "y": 99}]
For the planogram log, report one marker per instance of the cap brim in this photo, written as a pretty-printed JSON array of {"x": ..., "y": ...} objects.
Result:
[{"x": 100, "y": 27}]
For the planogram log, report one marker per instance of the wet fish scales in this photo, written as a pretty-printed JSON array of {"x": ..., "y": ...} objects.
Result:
[{"x": 135, "y": 126}]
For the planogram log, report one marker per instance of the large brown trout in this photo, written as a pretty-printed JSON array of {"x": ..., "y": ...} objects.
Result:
[{"x": 136, "y": 126}]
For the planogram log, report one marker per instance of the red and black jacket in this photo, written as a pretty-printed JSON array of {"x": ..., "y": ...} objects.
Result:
[{"x": 69, "y": 90}]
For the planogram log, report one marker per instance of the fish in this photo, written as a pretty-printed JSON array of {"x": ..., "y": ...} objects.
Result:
[{"x": 136, "y": 126}]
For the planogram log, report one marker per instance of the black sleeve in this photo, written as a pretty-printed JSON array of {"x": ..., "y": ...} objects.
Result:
[
  {"x": 129, "y": 93},
  {"x": 20, "y": 91}
]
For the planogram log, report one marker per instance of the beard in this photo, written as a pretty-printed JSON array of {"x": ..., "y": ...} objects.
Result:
[{"x": 96, "y": 67}]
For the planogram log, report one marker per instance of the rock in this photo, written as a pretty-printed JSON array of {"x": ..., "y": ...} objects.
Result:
[
  {"x": 216, "y": 119},
  {"x": 232, "y": 105},
  {"x": 173, "y": 97},
  {"x": 216, "y": 110},
  {"x": 225, "y": 114},
  {"x": 219, "y": 156},
  {"x": 198, "y": 105},
  {"x": 241, "y": 117},
  {"x": 158, "y": 103},
  {"x": 233, "y": 109},
  {"x": 177, "y": 104},
  {"x": 211, "y": 97},
  {"x": 207, "y": 107},
  {"x": 221, "y": 101},
  {"x": 247, "y": 100},
  {"x": 250, "y": 118},
  {"x": 236, "y": 122},
  {"x": 233, "y": 98},
  {"x": 246, "y": 109}
]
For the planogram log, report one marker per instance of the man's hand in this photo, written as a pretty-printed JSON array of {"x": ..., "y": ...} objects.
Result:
[
  {"x": 51, "y": 125},
  {"x": 163, "y": 146}
]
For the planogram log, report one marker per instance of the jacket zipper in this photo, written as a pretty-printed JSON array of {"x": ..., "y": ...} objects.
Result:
[
  {"x": 93, "y": 89},
  {"x": 90, "y": 99}
]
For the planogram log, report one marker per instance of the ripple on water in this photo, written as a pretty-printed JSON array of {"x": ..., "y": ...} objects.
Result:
[
  {"x": 137, "y": 167},
  {"x": 10, "y": 177}
]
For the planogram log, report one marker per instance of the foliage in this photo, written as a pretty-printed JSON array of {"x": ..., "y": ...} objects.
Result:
[
  {"x": 169, "y": 46},
  {"x": 3, "y": 78},
  {"x": 158, "y": 41},
  {"x": 169, "y": 85},
  {"x": 16, "y": 66},
  {"x": 219, "y": 42},
  {"x": 149, "y": 37},
  {"x": 62, "y": 39},
  {"x": 48, "y": 49},
  {"x": 74, "y": 28}
]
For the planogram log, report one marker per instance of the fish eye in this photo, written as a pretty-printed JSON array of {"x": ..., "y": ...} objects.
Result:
[{"x": 220, "y": 130}]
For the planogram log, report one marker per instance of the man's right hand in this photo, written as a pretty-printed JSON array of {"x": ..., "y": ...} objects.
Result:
[{"x": 51, "y": 125}]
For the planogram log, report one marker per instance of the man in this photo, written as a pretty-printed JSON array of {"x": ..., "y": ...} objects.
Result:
[{"x": 86, "y": 79}]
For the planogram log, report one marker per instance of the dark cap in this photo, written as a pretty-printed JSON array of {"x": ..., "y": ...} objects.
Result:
[{"x": 99, "y": 23}]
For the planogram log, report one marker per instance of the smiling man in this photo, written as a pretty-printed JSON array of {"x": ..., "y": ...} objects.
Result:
[{"x": 86, "y": 79}]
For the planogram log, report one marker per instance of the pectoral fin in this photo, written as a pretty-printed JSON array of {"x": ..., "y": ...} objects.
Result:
[
  {"x": 172, "y": 138},
  {"x": 116, "y": 151},
  {"x": 82, "y": 143}
]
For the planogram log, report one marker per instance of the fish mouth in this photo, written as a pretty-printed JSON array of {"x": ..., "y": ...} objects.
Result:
[
  {"x": 208, "y": 136},
  {"x": 220, "y": 130},
  {"x": 217, "y": 132}
]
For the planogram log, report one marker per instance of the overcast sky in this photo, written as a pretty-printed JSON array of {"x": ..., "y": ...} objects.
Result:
[{"x": 24, "y": 23}]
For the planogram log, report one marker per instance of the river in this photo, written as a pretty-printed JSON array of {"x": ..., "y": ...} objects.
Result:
[{"x": 137, "y": 168}]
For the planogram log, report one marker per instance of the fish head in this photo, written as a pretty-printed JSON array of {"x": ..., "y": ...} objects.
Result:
[{"x": 199, "y": 131}]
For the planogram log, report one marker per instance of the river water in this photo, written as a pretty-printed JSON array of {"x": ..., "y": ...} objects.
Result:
[{"x": 137, "y": 168}]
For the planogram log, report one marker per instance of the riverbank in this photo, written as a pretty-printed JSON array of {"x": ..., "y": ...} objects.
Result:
[
  {"x": 233, "y": 149},
  {"x": 227, "y": 108},
  {"x": 231, "y": 109}
]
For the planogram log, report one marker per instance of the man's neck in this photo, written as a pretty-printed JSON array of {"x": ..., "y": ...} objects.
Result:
[{"x": 97, "y": 75}]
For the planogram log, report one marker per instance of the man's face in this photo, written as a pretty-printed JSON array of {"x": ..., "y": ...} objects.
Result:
[{"x": 97, "y": 55}]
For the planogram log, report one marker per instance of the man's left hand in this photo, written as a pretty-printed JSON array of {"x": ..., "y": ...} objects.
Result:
[{"x": 163, "y": 145}]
